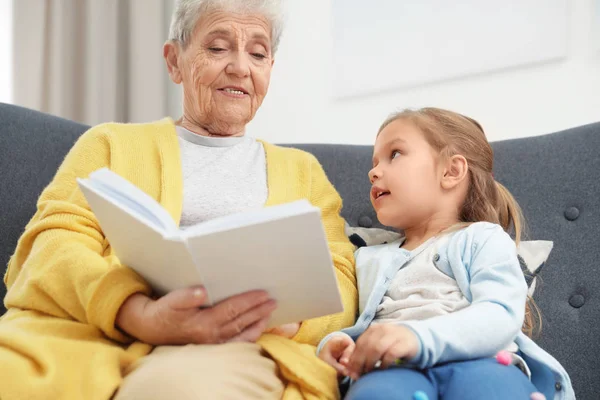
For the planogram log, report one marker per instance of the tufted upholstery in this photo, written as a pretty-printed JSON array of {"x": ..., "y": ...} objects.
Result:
[{"x": 555, "y": 178}]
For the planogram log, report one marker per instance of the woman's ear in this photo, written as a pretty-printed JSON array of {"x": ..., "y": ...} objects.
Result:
[
  {"x": 455, "y": 172},
  {"x": 171, "y": 55}
]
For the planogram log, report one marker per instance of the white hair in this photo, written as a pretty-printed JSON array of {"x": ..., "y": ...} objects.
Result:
[{"x": 187, "y": 13}]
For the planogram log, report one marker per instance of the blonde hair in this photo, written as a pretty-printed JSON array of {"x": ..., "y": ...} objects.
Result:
[{"x": 450, "y": 133}]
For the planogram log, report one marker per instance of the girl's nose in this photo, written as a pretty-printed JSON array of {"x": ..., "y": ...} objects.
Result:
[{"x": 373, "y": 175}]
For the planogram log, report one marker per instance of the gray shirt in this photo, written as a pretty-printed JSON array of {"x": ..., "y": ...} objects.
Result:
[{"x": 221, "y": 176}]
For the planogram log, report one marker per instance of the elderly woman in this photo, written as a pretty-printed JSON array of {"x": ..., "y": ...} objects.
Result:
[{"x": 82, "y": 326}]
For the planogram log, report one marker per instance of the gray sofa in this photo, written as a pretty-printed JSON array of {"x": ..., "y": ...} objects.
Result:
[{"x": 555, "y": 178}]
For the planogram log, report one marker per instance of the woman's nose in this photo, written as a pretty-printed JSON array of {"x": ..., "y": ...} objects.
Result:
[{"x": 239, "y": 65}]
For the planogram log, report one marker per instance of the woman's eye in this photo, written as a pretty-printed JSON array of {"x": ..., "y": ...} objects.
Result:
[
  {"x": 216, "y": 49},
  {"x": 259, "y": 56}
]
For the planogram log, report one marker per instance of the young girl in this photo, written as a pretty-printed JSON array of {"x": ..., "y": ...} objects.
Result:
[{"x": 444, "y": 305}]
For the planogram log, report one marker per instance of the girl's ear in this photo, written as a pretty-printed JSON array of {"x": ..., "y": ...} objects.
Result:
[{"x": 455, "y": 172}]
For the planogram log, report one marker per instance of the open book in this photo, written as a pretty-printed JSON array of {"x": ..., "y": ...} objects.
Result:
[{"x": 281, "y": 249}]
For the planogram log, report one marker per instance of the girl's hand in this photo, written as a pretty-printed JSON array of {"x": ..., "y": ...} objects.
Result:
[
  {"x": 286, "y": 330},
  {"x": 178, "y": 319},
  {"x": 337, "y": 352},
  {"x": 381, "y": 346}
]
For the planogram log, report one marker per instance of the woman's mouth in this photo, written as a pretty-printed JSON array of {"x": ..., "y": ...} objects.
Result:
[{"x": 236, "y": 92}]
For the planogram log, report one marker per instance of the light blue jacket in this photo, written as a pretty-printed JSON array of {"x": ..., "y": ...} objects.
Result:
[{"x": 482, "y": 258}]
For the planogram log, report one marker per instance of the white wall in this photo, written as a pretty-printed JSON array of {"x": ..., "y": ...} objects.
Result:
[
  {"x": 520, "y": 101},
  {"x": 6, "y": 51},
  {"x": 302, "y": 105}
]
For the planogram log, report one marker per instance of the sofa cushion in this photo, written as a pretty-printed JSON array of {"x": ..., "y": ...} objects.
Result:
[
  {"x": 32, "y": 146},
  {"x": 532, "y": 254}
]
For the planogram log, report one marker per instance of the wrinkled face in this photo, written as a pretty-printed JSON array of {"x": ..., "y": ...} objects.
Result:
[
  {"x": 225, "y": 70},
  {"x": 405, "y": 176}
]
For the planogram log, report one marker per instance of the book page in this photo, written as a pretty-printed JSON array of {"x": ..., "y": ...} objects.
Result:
[
  {"x": 128, "y": 195},
  {"x": 164, "y": 263},
  {"x": 287, "y": 257},
  {"x": 251, "y": 217}
]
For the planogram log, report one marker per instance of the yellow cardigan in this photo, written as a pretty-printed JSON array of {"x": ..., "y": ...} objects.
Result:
[{"x": 58, "y": 339}]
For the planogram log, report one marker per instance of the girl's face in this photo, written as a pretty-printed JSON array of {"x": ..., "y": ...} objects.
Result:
[{"x": 406, "y": 176}]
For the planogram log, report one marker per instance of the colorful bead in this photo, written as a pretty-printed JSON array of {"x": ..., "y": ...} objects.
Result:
[
  {"x": 504, "y": 357},
  {"x": 420, "y": 395}
]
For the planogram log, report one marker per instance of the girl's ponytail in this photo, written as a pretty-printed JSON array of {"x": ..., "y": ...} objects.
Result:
[{"x": 510, "y": 216}]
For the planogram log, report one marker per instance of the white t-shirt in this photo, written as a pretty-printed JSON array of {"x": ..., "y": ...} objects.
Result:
[
  {"x": 221, "y": 176},
  {"x": 420, "y": 290}
]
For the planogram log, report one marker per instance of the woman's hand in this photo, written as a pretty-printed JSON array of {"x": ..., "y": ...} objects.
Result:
[
  {"x": 337, "y": 352},
  {"x": 286, "y": 330},
  {"x": 381, "y": 346},
  {"x": 177, "y": 319}
]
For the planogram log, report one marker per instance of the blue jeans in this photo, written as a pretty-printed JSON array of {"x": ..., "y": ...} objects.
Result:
[{"x": 466, "y": 380}]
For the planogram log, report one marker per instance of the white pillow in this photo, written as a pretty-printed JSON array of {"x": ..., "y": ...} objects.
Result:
[{"x": 532, "y": 253}]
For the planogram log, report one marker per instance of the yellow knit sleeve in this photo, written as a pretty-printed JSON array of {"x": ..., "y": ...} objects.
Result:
[
  {"x": 61, "y": 266},
  {"x": 324, "y": 196}
]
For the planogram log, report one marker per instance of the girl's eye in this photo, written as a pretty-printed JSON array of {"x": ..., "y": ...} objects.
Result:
[{"x": 395, "y": 154}]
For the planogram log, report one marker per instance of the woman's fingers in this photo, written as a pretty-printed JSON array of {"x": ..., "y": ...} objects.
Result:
[
  {"x": 245, "y": 325},
  {"x": 180, "y": 318},
  {"x": 232, "y": 308},
  {"x": 286, "y": 330},
  {"x": 187, "y": 298},
  {"x": 252, "y": 333}
]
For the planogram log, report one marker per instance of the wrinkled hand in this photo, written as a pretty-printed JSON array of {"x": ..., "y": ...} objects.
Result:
[
  {"x": 177, "y": 319},
  {"x": 337, "y": 352},
  {"x": 380, "y": 347},
  {"x": 286, "y": 330}
]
